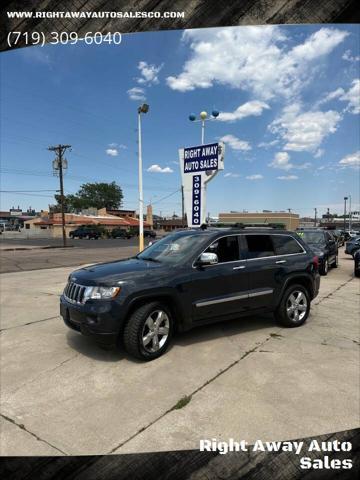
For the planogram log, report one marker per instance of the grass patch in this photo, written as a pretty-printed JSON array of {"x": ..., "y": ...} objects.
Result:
[{"x": 182, "y": 402}]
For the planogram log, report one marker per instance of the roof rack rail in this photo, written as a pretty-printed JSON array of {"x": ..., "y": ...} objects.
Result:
[{"x": 277, "y": 226}]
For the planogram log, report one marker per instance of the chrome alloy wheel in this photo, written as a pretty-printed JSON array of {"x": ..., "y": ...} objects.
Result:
[
  {"x": 296, "y": 306},
  {"x": 155, "y": 331}
]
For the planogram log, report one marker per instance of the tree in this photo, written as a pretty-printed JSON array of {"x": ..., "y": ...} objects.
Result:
[{"x": 92, "y": 195}]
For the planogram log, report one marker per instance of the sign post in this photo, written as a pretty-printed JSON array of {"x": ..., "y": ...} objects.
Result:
[{"x": 198, "y": 166}]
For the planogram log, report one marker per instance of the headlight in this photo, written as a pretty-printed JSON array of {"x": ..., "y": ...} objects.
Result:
[{"x": 100, "y": 293}]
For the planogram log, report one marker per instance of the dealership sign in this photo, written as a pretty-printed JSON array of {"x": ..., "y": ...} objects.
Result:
[{"x": 199, "y": 165}]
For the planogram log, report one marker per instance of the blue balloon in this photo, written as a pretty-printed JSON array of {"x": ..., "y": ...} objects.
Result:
[
  {"x": 192, "y": 117},
  {"x": 215, "y": 113}
]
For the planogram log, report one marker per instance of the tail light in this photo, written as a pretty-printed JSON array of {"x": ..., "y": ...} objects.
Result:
[{"x": 315, "y": 262}]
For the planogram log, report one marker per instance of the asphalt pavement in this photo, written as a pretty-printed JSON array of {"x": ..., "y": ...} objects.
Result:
[
  {"x": 245, "y": 379},
  {"x": 35, "y": 254}
]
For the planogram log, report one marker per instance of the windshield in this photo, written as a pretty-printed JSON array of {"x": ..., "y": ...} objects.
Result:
[
  {"x": 312, "y": 237},
  {"x": 174, "y": 248}
]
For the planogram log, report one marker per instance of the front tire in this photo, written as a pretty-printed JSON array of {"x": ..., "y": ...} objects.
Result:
[
  {"x": 148, "y": 331},
  {"x": 294, "y": 307}
]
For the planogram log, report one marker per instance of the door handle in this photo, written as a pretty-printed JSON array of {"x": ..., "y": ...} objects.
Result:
[
  {"x": 281, "y": 261},
  {"x": 239, "y": 268}
]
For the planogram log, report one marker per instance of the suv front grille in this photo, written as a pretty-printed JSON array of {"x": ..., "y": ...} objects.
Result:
[{"x": 74, "y": 292}]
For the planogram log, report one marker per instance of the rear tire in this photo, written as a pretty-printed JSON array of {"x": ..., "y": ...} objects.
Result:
[
  {"x": 148, "y": 332},
  {"x": 335, "y": 262},
  {"x": 324, "y": 269},
  {"x": 294, "y": 307}
]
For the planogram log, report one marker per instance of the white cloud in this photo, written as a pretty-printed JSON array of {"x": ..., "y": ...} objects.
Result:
[
  {"x": 282, "y": 162},
  {"x": 136, "y": 93},
  {"x": 252, "y": 58},
  {"x": 352, "y": 96},
  {"x": 113, "y": 152},
  {"x": 157, "y": 169},
  {"x": 304, "y": 131},
  {"x": 268, "y": 144},
  {"x": 349, "y": 57},
  {"x": 256, "y": 176},
  {"x": 235, "y": 143},
  {"x": 351, "y": 160},
  {"x": 287, "y": 177},
  {"x": 149, "y": 73},
  {"x": 319, "y": 153},
  {"x": 253, "y": 108},
  {"x": 118, "y": 145},
  {"x": 231, "y": 175}
]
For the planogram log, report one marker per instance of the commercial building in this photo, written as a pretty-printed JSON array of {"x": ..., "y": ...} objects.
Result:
[
  {"x": 15, "y": 218},
  {"x": 290, "y": 221},
  {"x": 50, "y": 224}
]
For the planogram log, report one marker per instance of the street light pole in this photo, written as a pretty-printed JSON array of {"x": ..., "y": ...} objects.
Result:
[
  {"x": 345, "y": 198},
  {"x": 349, "y": 213},
  {"x": 143, "y": 109}
]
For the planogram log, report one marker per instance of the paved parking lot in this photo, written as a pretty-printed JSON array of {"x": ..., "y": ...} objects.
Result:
[{"x": 246, "y": 379}]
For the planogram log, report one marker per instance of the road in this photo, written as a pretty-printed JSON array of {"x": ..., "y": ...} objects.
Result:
[
  {"x": 23, "y": 255},
  {"x": 248, "y": 379}
]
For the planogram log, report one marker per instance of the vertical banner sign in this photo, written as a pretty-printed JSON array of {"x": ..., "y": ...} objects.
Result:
[{"x": 199, "y": 165}]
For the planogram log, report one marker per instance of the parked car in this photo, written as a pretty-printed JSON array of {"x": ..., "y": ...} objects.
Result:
[
  {"x": 324, "y": 245},
  {"x": 339, "y": 237},
  {"x": 352, "y": 245},
  {"x": 191, "y": 278},
  {"x": 346, "y": 235},
  {"x": 357, "y": 263},
  {"x": 121, "y": 233},
  {"x": 353, "y": 233},
  {"x": 149, "y": 233},
  {"x": 85, "y": 232}
]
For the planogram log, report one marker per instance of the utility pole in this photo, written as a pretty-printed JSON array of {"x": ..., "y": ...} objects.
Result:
[
  {"x": 60, "y": 150},
  {"x": 182, "y": 206},
  {"x": 315, "y": 220}
]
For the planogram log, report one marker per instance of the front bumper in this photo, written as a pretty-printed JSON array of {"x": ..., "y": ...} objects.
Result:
[{"x": 100, "y": 320}]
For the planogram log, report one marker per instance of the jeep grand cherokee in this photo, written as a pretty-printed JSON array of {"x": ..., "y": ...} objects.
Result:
[{"x": 190, "y": 278}]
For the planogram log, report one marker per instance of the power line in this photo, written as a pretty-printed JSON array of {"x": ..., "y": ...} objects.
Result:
[
  {"x": 167, "y": 196},
  {"x": 26, "y": 191},
  {"x": 30, "y": 194}
]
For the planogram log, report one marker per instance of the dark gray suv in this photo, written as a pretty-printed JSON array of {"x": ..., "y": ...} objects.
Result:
[{"x": 190, "y": 278}]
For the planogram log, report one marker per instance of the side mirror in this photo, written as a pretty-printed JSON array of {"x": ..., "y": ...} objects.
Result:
[{"x": 207, "y": 258}]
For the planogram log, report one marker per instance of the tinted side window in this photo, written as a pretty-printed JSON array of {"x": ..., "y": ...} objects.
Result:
[
  {"x": 328, "y": 236},
  {"x": 226, "y": 248},
  {"x": 259, "y": 246},
  {"x": 286, "y": 245}
]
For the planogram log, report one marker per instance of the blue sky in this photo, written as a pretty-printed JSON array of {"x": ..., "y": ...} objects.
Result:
[{"x": 288, "y": 97}]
